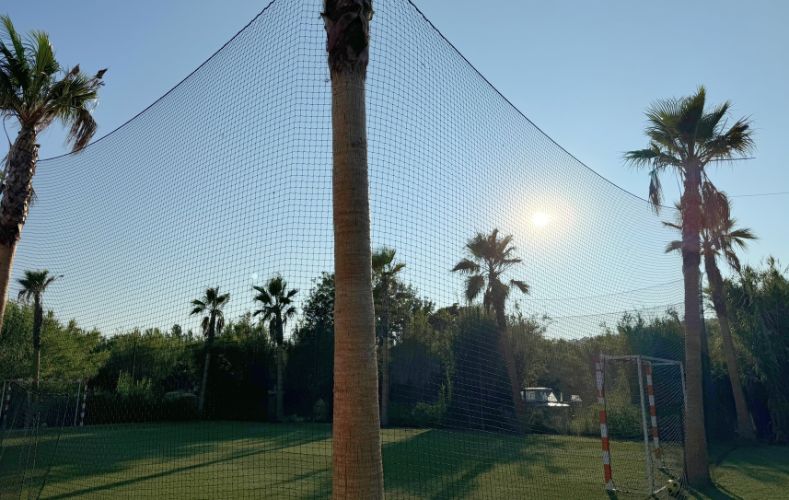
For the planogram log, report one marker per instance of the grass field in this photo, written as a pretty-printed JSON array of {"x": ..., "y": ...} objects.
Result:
[{"x": 229, "y": 460}]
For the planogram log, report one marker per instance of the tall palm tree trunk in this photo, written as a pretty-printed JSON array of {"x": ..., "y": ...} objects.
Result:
[
  {"x": 15, "y": 203},
  {"x": 696, "y": 466},
  {"x": 505, "y": 350},
  {"x": 208, "y": 347},
  {"x": 744, "y": 428},
  {"x": 385, "y": 355},
  {"x": 357, "y": 465},
  {"x": 280, "y": 390},
  {"x": 38, "y": 316}
]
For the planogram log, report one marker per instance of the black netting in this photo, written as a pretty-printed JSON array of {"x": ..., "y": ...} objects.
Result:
[{"x": 226, "y": 182}]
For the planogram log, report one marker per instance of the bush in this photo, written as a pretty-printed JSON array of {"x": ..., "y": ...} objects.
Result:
[
  {"x": 112, "y": 408},
  {"x": 625, "y": 422}
]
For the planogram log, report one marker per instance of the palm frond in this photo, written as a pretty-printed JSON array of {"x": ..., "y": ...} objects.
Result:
[
  {"x": 466, "y": 266},
  {"x": 474, "y": 285},
  {"x": 382, "y": 258},
  {"x": 692, "y": 109},
  {"x": 520, "y": 285},
  {"x": 674, "y": 246},
  {"x": 655, "y": 190}
]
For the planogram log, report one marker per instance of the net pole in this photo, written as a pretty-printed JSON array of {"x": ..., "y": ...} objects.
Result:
[
  {"x": 2, "y": 401},
  {"x": 652, "y": 410},
  {"x": 84, "y": 403},
  {"x": 76, "y": 402},
  {"x": 607, "y": 473},
  {"x": 647, "y": 454}
]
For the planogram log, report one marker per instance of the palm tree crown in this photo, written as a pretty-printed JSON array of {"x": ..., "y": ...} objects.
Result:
[
  {"x": 211, "y": 303},
  {"x": 682, "y": 134},
  {"x": 385, "y": 270},
  {"x": 34, "y": 284},
  {"x": 277, "y": 306},
  {"x": 36, "y": 90},
  {"x": 491, "y": 257},
  {"x": 383, "y": 263}
]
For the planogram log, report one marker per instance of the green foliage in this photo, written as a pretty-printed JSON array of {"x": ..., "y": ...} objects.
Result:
[
  {"x": 445, "y": 367},
  {"x": 129, "y": 388},
  {"x": 68, "y": 352},
  {"x": 309, "y": 375},
  {"x": 759, "y": 314}
]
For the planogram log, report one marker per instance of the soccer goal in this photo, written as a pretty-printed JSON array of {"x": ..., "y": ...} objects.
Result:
[{"x": 642, "y": 405}]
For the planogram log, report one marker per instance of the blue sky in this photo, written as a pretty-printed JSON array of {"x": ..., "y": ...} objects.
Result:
[{"x": 582, "y": 73}]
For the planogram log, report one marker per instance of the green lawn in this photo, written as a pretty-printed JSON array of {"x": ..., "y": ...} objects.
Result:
[{"x": 233, "y": 460}]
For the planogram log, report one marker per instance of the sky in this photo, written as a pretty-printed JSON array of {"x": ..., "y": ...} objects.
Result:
[{"x": 582, "y": 73}]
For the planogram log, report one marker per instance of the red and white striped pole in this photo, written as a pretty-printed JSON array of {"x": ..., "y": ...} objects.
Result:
[
  {"x": 652, "y": 410},
  {"x": 599, "y": 368}
]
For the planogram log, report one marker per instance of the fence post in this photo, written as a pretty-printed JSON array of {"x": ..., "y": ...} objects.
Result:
[
  {"x": 599, "y": 377},
  {"x": 2, "y": 401},
  {"x": 76, "y": 403},
  {"x": 648, "y": 455},
  {"x": 84, "y": 404},
  {"x": 652, "y": 410}
]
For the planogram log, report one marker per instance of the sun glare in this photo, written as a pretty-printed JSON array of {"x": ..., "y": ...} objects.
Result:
[{"x": 540, "y": 219}]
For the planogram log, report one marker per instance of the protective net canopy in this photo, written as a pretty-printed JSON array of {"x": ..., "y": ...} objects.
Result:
[{"x": 226, "y": 182}]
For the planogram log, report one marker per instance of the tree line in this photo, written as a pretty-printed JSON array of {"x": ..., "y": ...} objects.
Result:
[{"x": 444, "y": 366}]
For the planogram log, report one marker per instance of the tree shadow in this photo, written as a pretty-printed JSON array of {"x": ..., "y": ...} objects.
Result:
[
  {"x": 453, "y": 464},
  {"x": 92, "y": 455}
]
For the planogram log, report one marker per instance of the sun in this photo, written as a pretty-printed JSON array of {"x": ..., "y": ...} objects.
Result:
[{"x": 540, "y": 219}]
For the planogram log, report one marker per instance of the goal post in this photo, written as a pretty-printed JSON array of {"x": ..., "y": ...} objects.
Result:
[{"x": 640, "y": 384}]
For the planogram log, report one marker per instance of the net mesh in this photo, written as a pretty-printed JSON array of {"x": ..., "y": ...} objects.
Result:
[
  {"x": 226, "y": 182},
  {"x": 639, "y": 462}
]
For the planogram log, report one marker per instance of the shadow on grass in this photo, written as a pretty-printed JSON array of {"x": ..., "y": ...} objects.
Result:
[
  {"x": 453, "y": 464},
  {"x": 83, "y": 456}
]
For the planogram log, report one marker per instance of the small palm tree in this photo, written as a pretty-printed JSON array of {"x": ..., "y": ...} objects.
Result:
[
  {"x": 684, "y": 138},
  {"x": 720, "y": 238},
  {"x": 35, "y": 90},
  {"x": 276, "y": 308},
  {"x": 34, "y": 284},
  {"x": 211, "y": 304},
  {"x": 385, "y": 269},
  {"x": 491, "y": 257}
]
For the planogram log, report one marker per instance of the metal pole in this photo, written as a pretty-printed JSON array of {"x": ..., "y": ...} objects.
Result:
[
  {"x": 2, "y": 400},
  {"x": 76, "y": 404},
  {"x": 652, "y": 410},
  {"x": 84, "y": 403},
  {"x": 647, "y": 454},
  {"x": 600, "y": 381}
]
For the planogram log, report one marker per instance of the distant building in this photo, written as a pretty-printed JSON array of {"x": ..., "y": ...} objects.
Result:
[{"x": 544, "y": 397}]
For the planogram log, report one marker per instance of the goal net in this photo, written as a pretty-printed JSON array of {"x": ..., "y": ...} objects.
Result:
[{"x": 642, "y": 403}]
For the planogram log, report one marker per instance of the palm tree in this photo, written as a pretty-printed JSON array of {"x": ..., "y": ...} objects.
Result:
[
  {"x": 385, "y": 270},
  {"x": 276, "y": 308},
  {"x": 356, "y": 458},
  {"x": 721, "y": 238},
  {"x": 34, "y": 284},
  {"x": 491, "y": 258},
  {"x": 210, "y": 304},
  {"x": 684, "y": 138},
  {"x": 35, "y": 90}
]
